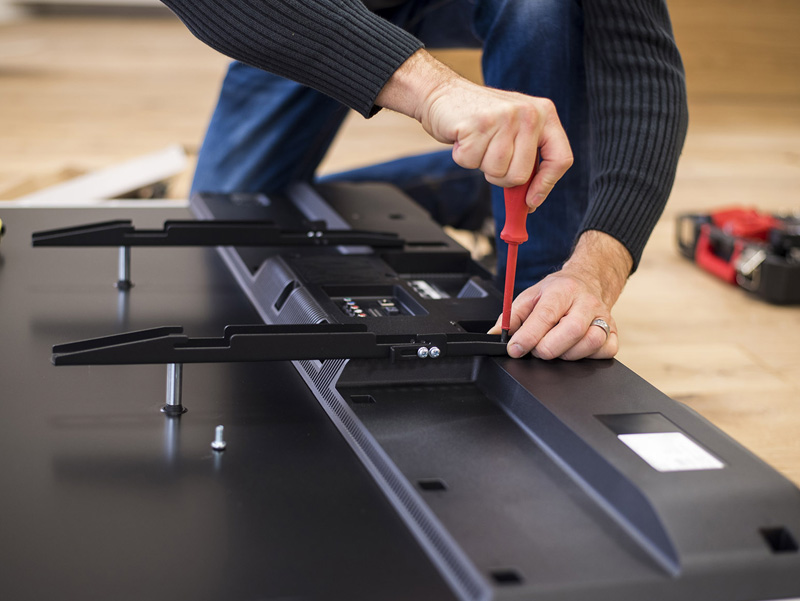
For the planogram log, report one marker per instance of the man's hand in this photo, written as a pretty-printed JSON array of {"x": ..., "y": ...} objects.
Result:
[
  {"x": 553, "y": 318},
  {"x": 492, "y": 130}
]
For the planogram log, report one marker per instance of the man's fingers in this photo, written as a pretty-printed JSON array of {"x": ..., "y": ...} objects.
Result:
[
  {"x": 468, "y": 152},
  {"x": 608, "y": 350},
  {"x": 595, "y": 343},
  {"x": 526, "y": 149},
  {"x": 544, "y": 314},
  {"x": 501, "y": 133},
  {"x": 525, "y": 146},
  {"x": 497, "y": 157},
  {"x": 508, "y": 156},
  {"x": 568, "y": 332},
  {"x": 553, "y": 319},
  {"x": 543, "y": 183},
  {"x": 556, "y": 159}
]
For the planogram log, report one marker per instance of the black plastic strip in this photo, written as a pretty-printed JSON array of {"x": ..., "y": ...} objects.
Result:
[
  {"x": 210, "y": 233},
  {"x": 271, "y": 343}
]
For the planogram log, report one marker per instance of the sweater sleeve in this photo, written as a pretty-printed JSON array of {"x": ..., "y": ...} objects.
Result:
[
  {"x": 639, "y": 116},
  {"x": 335, "y": 46}
]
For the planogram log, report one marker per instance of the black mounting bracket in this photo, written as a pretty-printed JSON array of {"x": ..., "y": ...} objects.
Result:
[
  {"x": 121, "y": 233},
  {"x": 211, "y": 233},
  {"x": 272, "y": 343},
  {"x": 171, "y": 346}
]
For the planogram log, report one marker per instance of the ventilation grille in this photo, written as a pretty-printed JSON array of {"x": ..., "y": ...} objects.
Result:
[{"x": 281, "y": 300}]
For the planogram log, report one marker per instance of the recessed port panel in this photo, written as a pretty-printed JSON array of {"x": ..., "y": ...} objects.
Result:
[{"x": 374, "y": 301}]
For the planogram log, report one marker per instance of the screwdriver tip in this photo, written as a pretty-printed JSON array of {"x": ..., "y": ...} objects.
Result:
[{"x": 503, "y": 335}]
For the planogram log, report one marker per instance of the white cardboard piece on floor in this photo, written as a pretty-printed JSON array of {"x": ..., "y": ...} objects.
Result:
[{"x": 113, "y": 181}]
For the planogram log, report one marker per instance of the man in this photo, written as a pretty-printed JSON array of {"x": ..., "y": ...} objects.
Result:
[{"x": 610, "y": 67}]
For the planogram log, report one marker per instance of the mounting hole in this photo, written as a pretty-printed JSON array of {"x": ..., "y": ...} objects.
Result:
[
  {"x": 397, "y": 216},
  {"x": 432, "y": 484},
  {"x": 506, "y": 576},
  {"x": 780, "y": 539},
  {"x": 362, "y": 399}
]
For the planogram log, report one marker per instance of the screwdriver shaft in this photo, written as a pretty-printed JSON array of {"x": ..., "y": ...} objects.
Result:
[{"x": 508, "y": 294}]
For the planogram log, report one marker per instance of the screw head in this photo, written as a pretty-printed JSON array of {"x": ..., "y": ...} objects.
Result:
[
  {"x": 422, "y": 352},
  {"x": 434, "y": 352},
  {"x": 219, "y": 443}
]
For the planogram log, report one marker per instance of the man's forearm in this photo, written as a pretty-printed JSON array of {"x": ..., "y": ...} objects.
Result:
[
  {"x": 335, "y": 46},
  {"x": 413, "y": 82},
  {"x": 638, "y": 116},
  {"x": 604, "y": 260}
]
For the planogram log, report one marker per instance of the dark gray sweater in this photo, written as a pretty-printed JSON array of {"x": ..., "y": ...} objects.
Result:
[{"x": 635, "y": 82}]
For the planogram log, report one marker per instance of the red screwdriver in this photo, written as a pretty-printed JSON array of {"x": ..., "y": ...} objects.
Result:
[{"x": 514, "y": 233}]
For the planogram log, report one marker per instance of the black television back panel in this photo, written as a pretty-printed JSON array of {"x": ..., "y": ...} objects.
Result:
[{"x": 520, "y": 479}]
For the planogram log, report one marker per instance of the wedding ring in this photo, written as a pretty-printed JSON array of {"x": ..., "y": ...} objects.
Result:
[{"x": 601, "y": 323}]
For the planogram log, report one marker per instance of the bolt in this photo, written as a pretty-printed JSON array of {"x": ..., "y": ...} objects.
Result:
[
  {"x": 434, "y": 352},
  {"x": 219, "y": 443},
  {"x": 422, "y": 352}
]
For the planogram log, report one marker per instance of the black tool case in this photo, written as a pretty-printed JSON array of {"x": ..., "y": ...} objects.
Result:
[
  {"x": 767, "y": 268},
  {"x": 407, "y": 473}
]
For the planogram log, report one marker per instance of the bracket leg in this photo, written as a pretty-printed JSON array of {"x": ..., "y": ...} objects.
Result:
[
  {"x": 124, "y": 269},
  {"x": 172, "y": 439},
  {"x": 174, "y": 390}
]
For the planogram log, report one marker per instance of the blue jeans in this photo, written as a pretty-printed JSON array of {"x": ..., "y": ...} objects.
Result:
[{"x": 268, "y": 132}]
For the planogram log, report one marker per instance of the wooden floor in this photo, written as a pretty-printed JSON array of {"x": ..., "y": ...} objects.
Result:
[{"x": 77, "y": 94}]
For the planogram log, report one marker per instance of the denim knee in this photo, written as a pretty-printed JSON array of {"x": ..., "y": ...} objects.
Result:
[{"x": 524, "y": 20}]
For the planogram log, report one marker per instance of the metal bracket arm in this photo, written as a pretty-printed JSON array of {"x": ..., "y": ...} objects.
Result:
[
  {"x": 210, "y": 233},
  {"x": 271, "y": 343}
]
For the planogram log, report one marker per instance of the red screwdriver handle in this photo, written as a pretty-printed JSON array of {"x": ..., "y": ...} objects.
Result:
[{"x": 514, "y": 229}]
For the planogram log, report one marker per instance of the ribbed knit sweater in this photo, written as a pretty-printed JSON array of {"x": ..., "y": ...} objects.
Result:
[{"x": 635, "y": 80}]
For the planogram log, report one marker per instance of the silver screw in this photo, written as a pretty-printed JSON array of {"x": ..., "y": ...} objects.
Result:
[
  {"x": 422, "y": 352},
  {"x": 219, "y": 443},
  {"x": 434, "y": 352}
]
